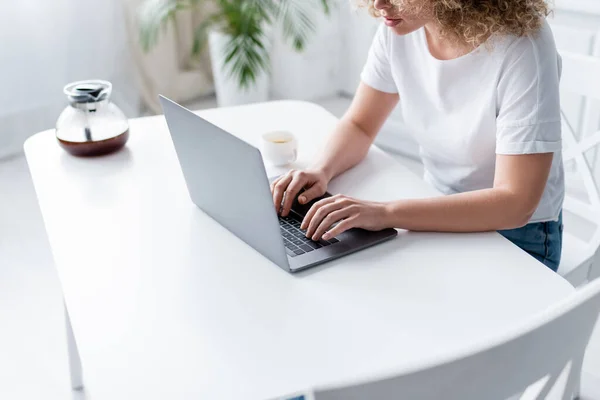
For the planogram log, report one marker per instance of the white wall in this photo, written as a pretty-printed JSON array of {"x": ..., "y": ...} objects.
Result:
[
  {"x": 313, "y": 73},
  {"x": 357, "y": 33},
  {"x": 46, "y": 44}
]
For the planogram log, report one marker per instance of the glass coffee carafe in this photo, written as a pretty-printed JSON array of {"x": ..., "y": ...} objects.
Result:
[{"x": 91, "y": 125}]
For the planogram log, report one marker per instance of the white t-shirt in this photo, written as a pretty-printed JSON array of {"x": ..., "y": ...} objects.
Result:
[{"x": 461, "y": 112}]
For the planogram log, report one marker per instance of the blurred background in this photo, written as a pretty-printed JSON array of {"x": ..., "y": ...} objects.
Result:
[
  {"x": 314, "y": 50},
  {"x": 46, "y": 44}
]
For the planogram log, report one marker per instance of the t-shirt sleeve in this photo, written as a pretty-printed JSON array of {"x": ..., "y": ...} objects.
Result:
[
  {"x": 528, "y": 104},
  {"x": 377, "y": 72}
]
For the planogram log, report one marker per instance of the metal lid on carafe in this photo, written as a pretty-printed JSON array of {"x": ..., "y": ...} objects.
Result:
[{"x": 90, "y": 91}]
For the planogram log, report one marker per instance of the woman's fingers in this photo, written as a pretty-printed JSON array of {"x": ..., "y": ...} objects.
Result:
[
  {"x": 274, "y": 184},
  {"x": 340, "y": 228},
  {"x": 305, "y": 185},
  {"x": 320, "y": 214},
  {"x": 276, "y": 181},
  {"x": 315, "y": 207},
  {"x": 293, "y": 188},
  {"x": 328, "y": 221},
  {"x": 312, "y": 193},
  {"x": 279, "y": 188}
]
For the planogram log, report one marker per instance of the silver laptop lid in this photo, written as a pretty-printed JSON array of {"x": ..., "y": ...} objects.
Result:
[{"x": 226, "y": 178}]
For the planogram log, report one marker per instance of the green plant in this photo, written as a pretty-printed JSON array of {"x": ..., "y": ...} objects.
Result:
[{"x": 244, "y": 21}]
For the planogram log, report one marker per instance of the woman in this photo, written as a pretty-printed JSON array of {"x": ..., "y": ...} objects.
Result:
[{"x": 476, "y": 82}]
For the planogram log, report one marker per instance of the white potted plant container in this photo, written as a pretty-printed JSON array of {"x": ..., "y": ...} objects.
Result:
[{"x": 227, "y": 87}]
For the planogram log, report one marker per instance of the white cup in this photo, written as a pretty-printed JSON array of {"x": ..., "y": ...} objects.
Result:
[{"x": 279, "y": 147}]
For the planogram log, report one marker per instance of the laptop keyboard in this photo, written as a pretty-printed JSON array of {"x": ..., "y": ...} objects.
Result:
[{"x": 295, "y": 240}]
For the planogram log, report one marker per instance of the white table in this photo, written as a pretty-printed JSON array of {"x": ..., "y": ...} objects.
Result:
[{"x": 165, "y": 303}]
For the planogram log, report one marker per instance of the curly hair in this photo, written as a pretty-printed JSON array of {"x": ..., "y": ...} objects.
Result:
[{"x": 474, "y": 21}]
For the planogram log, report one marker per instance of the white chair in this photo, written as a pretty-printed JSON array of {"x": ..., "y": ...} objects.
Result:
[
  {"x": 581, "y": 76},
  {"x": 513, "y": 365}
]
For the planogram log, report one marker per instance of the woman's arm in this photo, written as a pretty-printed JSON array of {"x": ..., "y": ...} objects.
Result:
[
  {"x": 518, "y": 187},
  {"x": 356, "y": 131},
  {"x": 346, "y": 147}
]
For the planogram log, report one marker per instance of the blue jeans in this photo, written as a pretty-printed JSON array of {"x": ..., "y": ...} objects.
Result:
[{"x": 543, "y": 240}]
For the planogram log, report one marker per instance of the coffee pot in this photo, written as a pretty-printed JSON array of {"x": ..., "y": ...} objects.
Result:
[{"x": 91, "y": 125}]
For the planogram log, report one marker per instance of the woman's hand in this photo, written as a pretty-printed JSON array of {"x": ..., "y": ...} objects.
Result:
[
  {"x": 347, "y": 213},
  {"x": 287, "y": 187}
]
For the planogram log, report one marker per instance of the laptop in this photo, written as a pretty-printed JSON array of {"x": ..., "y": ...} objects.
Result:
[{"x": 226, "y": 178}]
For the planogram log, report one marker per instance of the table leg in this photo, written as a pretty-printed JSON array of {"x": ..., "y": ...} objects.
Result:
[{"x": 74, "y": 360}]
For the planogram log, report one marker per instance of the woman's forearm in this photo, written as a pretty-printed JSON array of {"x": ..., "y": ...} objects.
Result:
[
  {"x": 477, "y": 211},
  {"x": 356, "y": 131},
  {"x": 346, "y": 147}
]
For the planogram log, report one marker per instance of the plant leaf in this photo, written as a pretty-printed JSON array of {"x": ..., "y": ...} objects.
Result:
[
  {"x": 201, "y": 33},
  {"x": 296, "y": 20},
  {"x": 245, "y": 56},
  {"x": 326, "y": 6},
  {"x": 153, "y": 15},
  {"x": 244, "y": 60},
  {"x": 244, "y": 21}
]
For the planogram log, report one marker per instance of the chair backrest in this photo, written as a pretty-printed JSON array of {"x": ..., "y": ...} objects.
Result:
[
  {"x": 581, "y": 76},
  {"x": 497, "y": 369}
]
